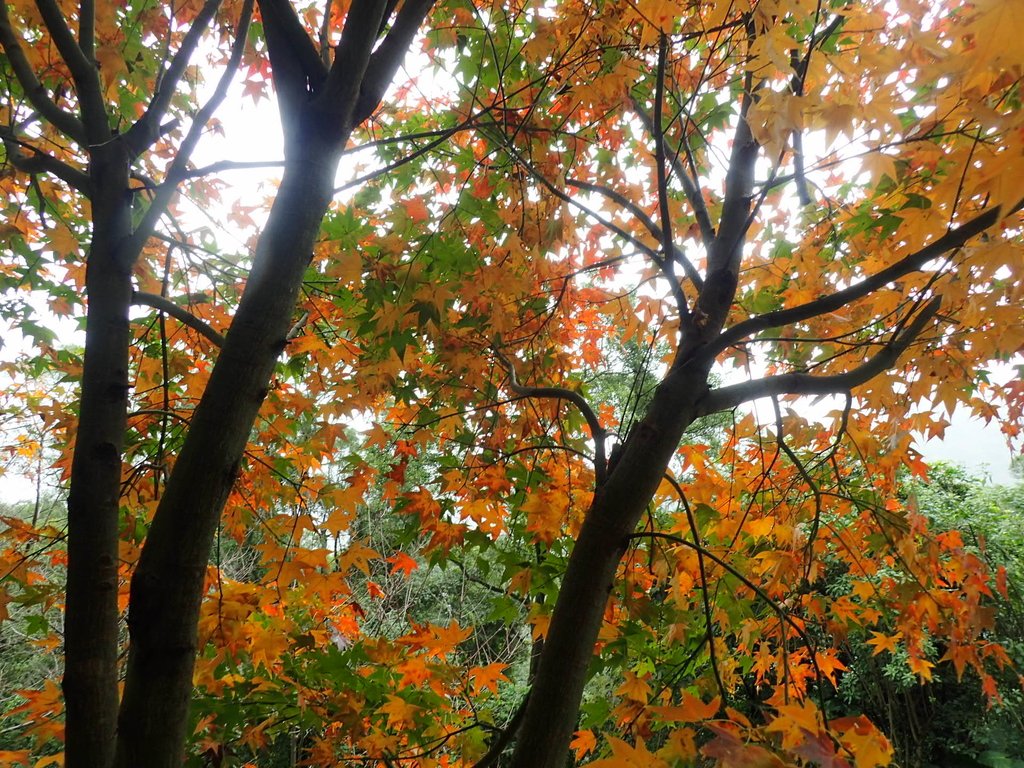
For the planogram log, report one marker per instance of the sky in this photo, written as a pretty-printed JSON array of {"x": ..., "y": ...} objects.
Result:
[{"x": 974, "y": 445}]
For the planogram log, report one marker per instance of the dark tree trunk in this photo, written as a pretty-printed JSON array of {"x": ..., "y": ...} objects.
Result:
[
  {"x": 91, "y": 615},
  {"x": 167, "y": 587},
  {"x": 319, "y": 108},
  {"x": 553, "y": 708}
]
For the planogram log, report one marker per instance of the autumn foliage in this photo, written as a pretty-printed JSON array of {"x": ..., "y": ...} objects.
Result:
[{"x": 623, "y": 316}]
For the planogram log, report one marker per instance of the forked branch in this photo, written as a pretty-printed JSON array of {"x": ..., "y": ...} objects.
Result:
[
  {"x": 146, "y": 129},
  {"x": 83, "y": 71},
  {"x": 29, "y": 159},
  {"x": 178, "y": 169},
  {"x": 725, "y": 398},
  {"x": 911, "y": 263},
  {"x": 34, "y": 90}
]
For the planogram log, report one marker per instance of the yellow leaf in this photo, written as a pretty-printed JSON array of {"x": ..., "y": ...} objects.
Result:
[
  {"x": 863, "y": 741},
  {"x": 626, "y": 756},
  {"x": 760, "y": 527},
  {"x": 881, "y": 642},
  {"x": 879, "y": 164},
  {"x": 63, "y": 241},
  {"x": 400, "y": 713},
  {"x": 357, "y": 556},
  {"x": 921, "y": 667},
  {"x": 996, "y": 32},
  {"x": 634, "y": 688},
  {"x": 795, "y": 722}
]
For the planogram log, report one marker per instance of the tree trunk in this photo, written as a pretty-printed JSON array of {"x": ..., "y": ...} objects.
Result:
[
  {"x": 91, "y": 613},
  {"x": 167, "y": 587},
  {"x": 553, "y": 708},
  {"x": 319, "y": 108}
]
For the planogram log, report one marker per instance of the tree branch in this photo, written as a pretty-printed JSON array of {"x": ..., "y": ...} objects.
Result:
[
  {"x": 36, "y": 93},
  {"x": 295, "y": 64},
  {"x": 83, "y": 71},
  {"x": 165, "y": 305},
  {"x": 647, "y": 221},
  {"x": 501, "y": 742},
  {"x": 42, "y": 162},
  {"x": 325, "y": 34},
  {"x": 667, "y": 247},
  {"x": 807, "y": 384},
  {"x": 911, "y": 263},
  {"x": 384, "y": 62},
  {"x": 597, "y": 432},
  {"x": 146, "y": 129},
  {"x": 178, "y": 168},
  {"x": 739, "y": 183},
  {"x": 561, "y": 195},
  {"x": 87, "y": 28},
  {"x": 689, "y": 184},
  {"x": 351, "y": 60}
]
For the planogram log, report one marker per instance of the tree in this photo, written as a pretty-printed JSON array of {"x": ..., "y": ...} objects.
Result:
[
  {"x": 568, "y": 173},
  {"x": 321, "y": 100},
  {"x": 945, "y": 722}
]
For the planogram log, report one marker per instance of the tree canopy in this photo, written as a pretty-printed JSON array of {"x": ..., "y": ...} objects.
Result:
[{"x": 555, "y": 402}]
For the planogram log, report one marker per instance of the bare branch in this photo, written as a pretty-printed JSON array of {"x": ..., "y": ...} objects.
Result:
[
  {"x": 229, "y": 165},
  {"x": 83, "y": 71},
  {"x": 325, "y": 34},
  {"x": 87, "y": 28},
  {"x": 185, "y": 317},
  {"x": 389, "y": 55},
  {"x": 597, "y": 432},
  {"x": 146, "y": 129},
  {"x": 911, "y": 263},
  {"x": 294, "y": 61},
  {"x": 666, "y": 262},
  {"x": 807, "y": 384},
  {"x": 667, "y": 247},
  {"x": 42, "y": 162},
  {"x": 739, "y": 183},
  {"x": 36, "y": 93},
  {"x": 352, "y": 58}
]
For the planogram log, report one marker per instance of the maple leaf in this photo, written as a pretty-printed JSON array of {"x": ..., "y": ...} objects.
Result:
[
  {"x": 583, "y": 743},
  {"x": 796, "y": 723},
  {"x": 883, "y": 642},
  {"x": 402, "y": 563},
  {"x": 486, "y": 678},
  {"x": 401, "y": 713},
  {"x": 357, "y": 555},
  {"x": 868, "y": 746},
  {"x": 691, "y": 710},
  {"x": 625, "y": 755},
  {"x": 732, "y": 751}
]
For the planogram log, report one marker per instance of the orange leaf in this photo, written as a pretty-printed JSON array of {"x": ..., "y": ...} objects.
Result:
[{"x": 583, "y": 743}]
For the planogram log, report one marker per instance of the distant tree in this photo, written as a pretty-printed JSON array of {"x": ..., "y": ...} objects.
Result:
[{"x": 948, "y": 721}]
